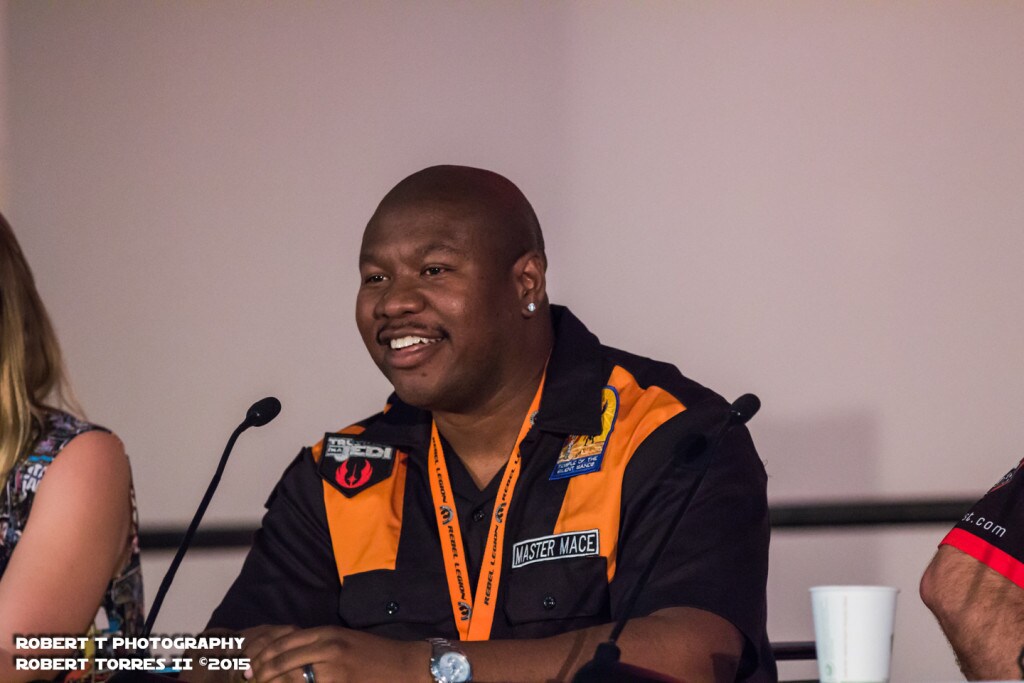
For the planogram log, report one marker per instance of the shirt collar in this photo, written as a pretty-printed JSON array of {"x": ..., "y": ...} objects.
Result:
[
  {"x": 400, "y": 425},
  {"x": 571, "y": 403}
]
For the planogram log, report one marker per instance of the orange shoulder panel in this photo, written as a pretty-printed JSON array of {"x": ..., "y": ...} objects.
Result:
[
  {"x": 365, "y": 528},
  {"x": 593, "y": 500}
]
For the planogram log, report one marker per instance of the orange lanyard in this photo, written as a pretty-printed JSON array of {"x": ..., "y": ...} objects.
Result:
[{"x": 474, "y": 617}]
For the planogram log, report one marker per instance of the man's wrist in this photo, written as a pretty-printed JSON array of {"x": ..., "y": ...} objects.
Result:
[
  {"x": 448, "y": 662},
  {"x": 416, "y": 663}
]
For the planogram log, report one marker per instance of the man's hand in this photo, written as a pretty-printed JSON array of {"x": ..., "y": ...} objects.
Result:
[{"x": 337, "y": 655}]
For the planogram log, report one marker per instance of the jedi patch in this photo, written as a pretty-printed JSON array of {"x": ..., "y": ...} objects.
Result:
[
  {"x": 584, "y": 453},
  {"x": 351, "y": 465},
  {"x": 557, "y": 547}
]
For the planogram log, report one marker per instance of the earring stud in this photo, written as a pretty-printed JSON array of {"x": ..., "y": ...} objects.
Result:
[{"x": 531, "y": 307}]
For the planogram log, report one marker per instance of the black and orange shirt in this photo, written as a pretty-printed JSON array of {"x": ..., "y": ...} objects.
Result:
[
  {"x": 991, "y": 531},
  {"x": 352, "y": 534}
]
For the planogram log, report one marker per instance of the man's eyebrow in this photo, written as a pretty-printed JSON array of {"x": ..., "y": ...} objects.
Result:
[{"x": 443, "y": 247}]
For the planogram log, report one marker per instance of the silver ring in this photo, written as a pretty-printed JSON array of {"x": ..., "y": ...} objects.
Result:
[{"x": 307, "y": 674}]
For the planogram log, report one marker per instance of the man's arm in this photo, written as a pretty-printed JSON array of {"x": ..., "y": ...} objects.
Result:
[
  {"x": 717, "y": 559},
  {"x": 980, "y": 611},
  {"x": 686, "y": 643},
  {"x": 289, "y": 575},
  {"x": 682, "y": 642}
]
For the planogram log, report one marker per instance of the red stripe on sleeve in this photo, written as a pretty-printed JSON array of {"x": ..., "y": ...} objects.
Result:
[{"x": 987, "y": 554}]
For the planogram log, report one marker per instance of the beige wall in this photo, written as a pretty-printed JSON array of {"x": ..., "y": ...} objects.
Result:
[
  {"x": 817, "y": 202},
  {"x": 4, "y": 105}
]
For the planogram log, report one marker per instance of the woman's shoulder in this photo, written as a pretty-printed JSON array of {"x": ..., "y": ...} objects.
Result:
[
  {"x": 58, "y": 430},
  {"x": 61, "y": 433},
  {"x": 75, "y": 452},
  {"x": 89, "y": 471}
]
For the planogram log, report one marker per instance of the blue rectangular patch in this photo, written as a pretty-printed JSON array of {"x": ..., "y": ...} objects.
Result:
[
  {"x": 584, "y": 453},
  {"x": 571, "y": 468}
]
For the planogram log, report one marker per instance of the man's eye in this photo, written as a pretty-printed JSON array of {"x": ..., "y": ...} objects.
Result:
[
  {"x": 372, "y": 279},
  {"x": 434, "y": 270}
]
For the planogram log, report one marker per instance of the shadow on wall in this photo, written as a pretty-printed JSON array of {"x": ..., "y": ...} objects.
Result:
[
  {"x": 832, "y": 457},
  {"x": 819, "y": 458}
]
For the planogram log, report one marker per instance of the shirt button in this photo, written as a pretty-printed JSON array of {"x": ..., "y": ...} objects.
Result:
[
  {"x": 548, "y": 603},
  {"x": 478, "y": 515},
  {"x": 391, "y": 608}
]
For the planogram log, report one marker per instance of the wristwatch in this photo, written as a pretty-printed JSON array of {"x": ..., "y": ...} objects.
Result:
[{"x": 448, "y": 664}]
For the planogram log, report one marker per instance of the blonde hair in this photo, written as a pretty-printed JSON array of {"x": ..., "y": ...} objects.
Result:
[{"x": 31, "y": 370}]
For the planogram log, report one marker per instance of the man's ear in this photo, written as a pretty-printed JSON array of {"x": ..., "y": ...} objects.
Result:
[{"x": 531, "y": 282}]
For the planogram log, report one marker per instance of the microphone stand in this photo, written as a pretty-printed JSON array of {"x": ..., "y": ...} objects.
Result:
[
  {"x": 259, "y": 414},
  {"x": 165, "y": 585}
]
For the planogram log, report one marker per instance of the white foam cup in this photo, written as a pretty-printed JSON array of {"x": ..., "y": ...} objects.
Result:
[{"x": 853, "y": 629}]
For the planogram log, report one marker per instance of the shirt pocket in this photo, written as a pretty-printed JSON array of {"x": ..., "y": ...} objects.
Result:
[
  {"x": 547, "y": 594},
  {"x": 401, "y": 603}
]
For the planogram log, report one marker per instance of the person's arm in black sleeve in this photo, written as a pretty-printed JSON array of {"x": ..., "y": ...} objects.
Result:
[
  {"x": 975, "y": 584},
  {"x": 289, "y": 575},
  {"x": 717, "y": 559}
]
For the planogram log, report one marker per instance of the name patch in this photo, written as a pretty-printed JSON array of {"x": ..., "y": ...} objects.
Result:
[
  {"x": 351, "y": 465},
  {"x": 557, "y": 547}
]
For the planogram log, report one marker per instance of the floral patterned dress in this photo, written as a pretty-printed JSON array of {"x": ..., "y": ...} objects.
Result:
[{"x": 121, "y": 612}]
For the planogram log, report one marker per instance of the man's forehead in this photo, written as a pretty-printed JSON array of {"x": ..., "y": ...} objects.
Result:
[
  {"x": 411, "y": 247},
  {"x": 455, "y": 225}
]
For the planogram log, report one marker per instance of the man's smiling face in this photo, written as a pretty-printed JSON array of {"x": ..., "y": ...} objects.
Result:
[{"x": 437, "y": 306}]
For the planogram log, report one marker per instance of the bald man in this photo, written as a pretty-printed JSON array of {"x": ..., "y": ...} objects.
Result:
[{"x": 489, "y": 523}]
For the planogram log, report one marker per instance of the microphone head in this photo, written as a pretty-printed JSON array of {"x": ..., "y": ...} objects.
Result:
[
  {"x": 744, "y": 408},
  {"x": 262, "y": 411}
]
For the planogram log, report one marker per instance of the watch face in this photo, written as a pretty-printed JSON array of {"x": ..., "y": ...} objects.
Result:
[{"x": 453, "y": 667}]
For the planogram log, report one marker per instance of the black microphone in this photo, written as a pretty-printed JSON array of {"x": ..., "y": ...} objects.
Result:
[
  {"x": 743, "y": 408},
  {"x": 259, "y": 414},
  {"x": 605, "y": 667},
  {"x": 266, "y": 409}
]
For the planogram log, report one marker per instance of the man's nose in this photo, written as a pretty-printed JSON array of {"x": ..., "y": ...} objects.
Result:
[{"x": 401, "y": 297}]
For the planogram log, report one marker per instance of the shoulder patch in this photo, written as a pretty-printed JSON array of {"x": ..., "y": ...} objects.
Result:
[
  {"x": 583, "y": 454},
  {"x": 1007, "y": 477},
  {"x": 353, "y": 465}
]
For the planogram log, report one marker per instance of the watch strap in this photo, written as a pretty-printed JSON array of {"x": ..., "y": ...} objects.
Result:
[{"x": 440, "y": 647}]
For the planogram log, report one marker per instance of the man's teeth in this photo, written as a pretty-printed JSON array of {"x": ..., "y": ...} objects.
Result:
[{"x": 403, "y": 342}]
